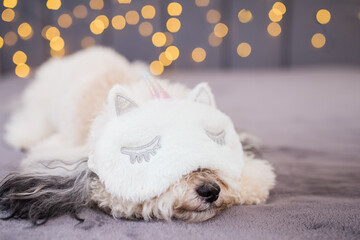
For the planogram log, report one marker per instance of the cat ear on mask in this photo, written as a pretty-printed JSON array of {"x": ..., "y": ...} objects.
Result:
[
  {"x": 119, "y": 100},
  {"x": 202, "y": 94}
]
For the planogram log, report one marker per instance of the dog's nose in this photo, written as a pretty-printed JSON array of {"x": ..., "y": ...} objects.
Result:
[{"x": 209, "y": 191}]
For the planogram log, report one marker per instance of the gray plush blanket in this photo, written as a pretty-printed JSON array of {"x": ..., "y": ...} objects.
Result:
[{"x": 309, "y": 122}]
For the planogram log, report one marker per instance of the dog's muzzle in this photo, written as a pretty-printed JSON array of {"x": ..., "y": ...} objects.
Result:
[{"x": 209, "y": 192}]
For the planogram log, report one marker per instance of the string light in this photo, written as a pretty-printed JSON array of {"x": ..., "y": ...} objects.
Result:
[
  {"x": 318, "y": 40},
  {"x": 10, "y": 38},
  {"x": 97, "y": 27},
  {"x": 156, "y": 68},
  {"x": 274, "y": 29},
  {"x": 164, "y": 59},
  {"x": 118, "y": 22},
  {"x": 57, "y": 54},
  {"x": 96, "y": 4},
  {"x": 22, "y": 70},
  {"x": 213, "y": 16},
  {"x": 64, "y": 20},
  {"x": 202, "y": 3},
  {"x": 1, "y": 42},
  {"x": 87, "y": 42},
  {"x": 80, "y": 11},
  {"x": 198, "y": 54},
  {"x": 148, "y": 12},
  {"x": 145, "y": 29},
  {"x": 132, "y": 17},
  {"x": 159, "y": 39},
  {"x": 25, "y": 31},
  {"x": 275, "y": 15},
  {"x": 57, "y": 43},
  {"x": 173, "y": 25},
  {"x": 19, "y": 57},
  {"x": 124, "y": 1},
  {"x": 53, "y": 4},
  {"x": 244, "y": 49},
  {"x": 280, "y": 6},
  {"x": 169, "y": 38},
  {"x": 9, "y": 3},
  {"x": 220, "y": 30},
  {"x": 174, "y": 9},
  {"x": 8, "y": 15},
  {"x": 213, "y": 40},
  {"x": 245, "y": 16},
  {"x": 323, "y": 16},
  {"x": 172, "y": 53},
  {"x": 51, "y": 32},
  {"x": 104, "y": 20}
]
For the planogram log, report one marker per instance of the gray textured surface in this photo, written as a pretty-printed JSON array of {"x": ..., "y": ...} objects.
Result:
[{"x": 309, "y": 122}]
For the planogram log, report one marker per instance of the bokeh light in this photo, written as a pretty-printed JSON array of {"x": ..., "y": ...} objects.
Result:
[
  {"x": 124, "y": 1},
  {"x": 87, "y": 42},
  {"x": 10, "y": 38},
  {"x": 173, "y": 25},
  {"x": 145, "y": 29},
  {"x": 280, "y": 6},
  {"x": 104, "y": 20},
  {"x": 80, "y": 11},
  {"x": 198, "y": 54},
  {"x": 132, "y": 17},
  {"x": 220, "y": 30},
  {"x": 118, "y": 22},
  {"x": 97, "y": 27},
  {"x": 244, "y": 49},
  {"x": 22, "y": 70},
  {"x": 148, "y": 12},
  {"x": 318, "y": 40},
  {"x": 57, "y": 54},
  {"x": 172, "y": 53},
  {"x": 10, "y": 3},
  {"x": 44, "y": 30},
  {"x": 213, "y": 16},
  {"x": 213, "y": 40},
  {"x": 96, "y": 4},
  {"x": 275, "y": 15},
  {"x": 174, "y": 9},
  {"x": 163, "y": 58},
  {"x": 156, "y": 68},
  {"x": 19, "y": 57},
  {"x": 57, "y": 43},
  {"x": 274, "y": 29},
  {"x": 8, "y": 15},
  {"x": 25, "y": 31},
  {"x": 1, "y": 42},
  {"x": 159, "y": 39},
  {"x": 64, "y": 20},
  {"x": 169, "y": 38},
  {"x": 202, "y": 3},
  {"x": 323, "y": 16},
  {"x": 245, "y": 16},
  {"x": 53, "y": 4},
  {"x": 51, "y": 32}
]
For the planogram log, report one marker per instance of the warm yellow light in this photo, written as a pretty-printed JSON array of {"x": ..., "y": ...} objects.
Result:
[
  {"x": 358, "y": 15},
  {"x": 145, "y": 29},
  {"x": 10, "y": 3},
  {"x": 198, "y": 54},
  {"x": 318, "y": 40},
  {"x": 22, "y": 70},
  {"x": 104, "y": 20},
  {"x": 87, "y": 42},
  {"x": 25, "y": 31},
  {"x": 173, "y": 25},
  {"x": 220, "y": 30},
  {"x": 57, "y": 54},
  {"x": 53, "y": 4},
  {"x": 64, "y": 20},
  {"x": 323, "y": 16},
  {"x": 19, "y": 57},
  {"x": 148, "y": 12},
  {"x": 96, "y": 4},
  {"x": 245, "y": 16},
  {"x": 274, "y": 29},
  {"x": 156, "y": 68},
  {"x": 132, "y": 17},
  {"x": 124, "y": 1},
  {"x": 213, "y": 40},
  {"x": 97, "y": 27},
  {"x": 174, "y": 9},
  {"x": 275, "y": 15},
  {"x": 8, "y": 15},
  {"x": 244, "y": 49},
  {"x": 57, "y": 43},
  {"x": 164, "y": 59},
  {"x": 159, "y": 39},
  {"x": 172, "y": 53},
  {"x": 10, "y": 38},
  {"x": 169, "y": 38},
  {"x": 118, "y": 22},
  {"x": 80, "y": 11},
  {"x": 280, "y": 6},
  {"x": 202, "y": 3},
  {"x": 1, "y": 42},
  {"x": 52, "y": 32},
  {"x": 213, "y": 16},
  {"x": 43, "y": 31}
]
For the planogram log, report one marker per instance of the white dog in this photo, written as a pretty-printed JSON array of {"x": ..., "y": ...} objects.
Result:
[{"x": 98, "y": 133}]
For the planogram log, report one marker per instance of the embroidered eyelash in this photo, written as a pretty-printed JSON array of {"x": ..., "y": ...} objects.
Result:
[
  {"x": 219, "y": 138},
  {"x": 142, "y": 153}
]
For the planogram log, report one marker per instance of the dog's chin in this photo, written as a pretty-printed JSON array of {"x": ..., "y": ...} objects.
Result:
[{"x": 198, "y": 214}]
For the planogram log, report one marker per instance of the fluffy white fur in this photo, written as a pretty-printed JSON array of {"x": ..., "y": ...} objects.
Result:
[{"x": 70, "y": 112}]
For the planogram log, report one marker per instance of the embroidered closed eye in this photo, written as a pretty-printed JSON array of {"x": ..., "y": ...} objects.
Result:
[
  {"x": 138, "y": 154},
  {"x": 219, "y": 137}
]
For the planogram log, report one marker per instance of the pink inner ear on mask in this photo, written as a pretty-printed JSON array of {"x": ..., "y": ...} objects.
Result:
[{"x": 156, "y": 90}]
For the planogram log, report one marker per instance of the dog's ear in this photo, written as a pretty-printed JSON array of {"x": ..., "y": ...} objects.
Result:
[
  {"x": 202, "y": 94},
  {"x": 257, "y": 179},
  {"x": 119, "y": 100}
]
